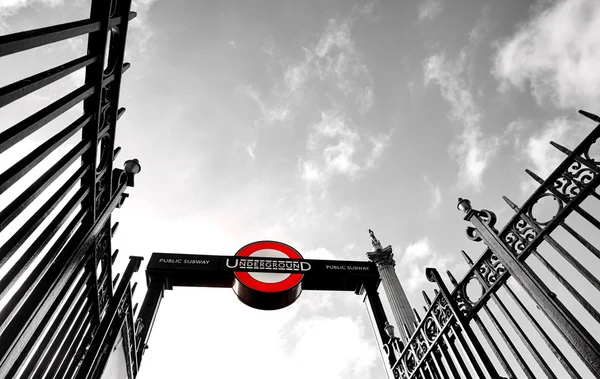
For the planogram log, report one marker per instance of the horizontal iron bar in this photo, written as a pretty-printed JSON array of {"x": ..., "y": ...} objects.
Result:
[
  {"x": 16, "y": 42},
  {"x": 17, "y": 90},
  {"x": 75, "y": 312},
  {"x": 21, "y": 168},
  {"x": 8, "y": 214},
  {"x": 45, "y": 325},
  {"x": 19, "y": 267},
  {"x": 23, "y": 129},
  {"x": 20, "y": 236},
  {"x": 61, "y": 345},
  {"x": 68, "y": 362},
  {"x": 28, "y": 318},
  {"x": 15, "y": 337},
  {"x": 21, "y": 295}
]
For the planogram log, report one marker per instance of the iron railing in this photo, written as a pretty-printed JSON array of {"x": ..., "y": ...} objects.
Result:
[
  {"x": 448, "y": 322},
  {"x": 58, "y": 300}
]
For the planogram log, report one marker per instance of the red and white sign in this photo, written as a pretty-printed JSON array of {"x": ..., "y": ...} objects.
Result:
[{"x": 262, "y": 288}]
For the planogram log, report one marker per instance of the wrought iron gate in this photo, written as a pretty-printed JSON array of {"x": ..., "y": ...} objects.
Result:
[
  {"x": 61, "y": 310},
  {"x": 445, "y": 344}
]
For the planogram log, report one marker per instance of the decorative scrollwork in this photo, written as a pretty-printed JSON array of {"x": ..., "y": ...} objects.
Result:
[
  {"x": 431, "y": 329},
  {"x": 473, "y": 234},
  {"x": 519, "y": 235},
  {"x": 586, "y": 154},
  {"x": 491, "y": 269},
  {"x": 464, "y": 305}
]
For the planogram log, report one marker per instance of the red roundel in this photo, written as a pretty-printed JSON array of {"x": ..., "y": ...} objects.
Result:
[
  {"x": 266, "y": 290},
  {"x": 291, "y": 281}
]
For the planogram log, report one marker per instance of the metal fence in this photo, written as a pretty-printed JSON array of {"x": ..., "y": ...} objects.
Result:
[
  {"x": 487, "y": 327},
  {"x": 58, "y": 300}
]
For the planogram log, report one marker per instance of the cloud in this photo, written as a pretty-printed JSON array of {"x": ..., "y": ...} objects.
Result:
[
  {"x": 270, "y": 113},
  {"x": 10, "y": 8},
  {"x": 250, "y": 149},
  {"x": 454, "y": 78},
  {"x": 436, "y": 194},
  {"x": 415, "y": 258},
  {"x": 556, "y": 54},
  {"x": 472, "y": 152},
  {"x": 544, "y": 157},
  {"x": 430, "y": 9},
  {"x": 232, "y": 44},
  {"x": 332, "y": 61},
  {"x": 334, "y": 148},
  {"x": 347, "y": 212},
  {"x": 140, "y": 30}
]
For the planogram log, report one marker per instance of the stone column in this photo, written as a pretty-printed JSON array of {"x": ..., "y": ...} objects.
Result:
[{"x": 401, "y": 309}]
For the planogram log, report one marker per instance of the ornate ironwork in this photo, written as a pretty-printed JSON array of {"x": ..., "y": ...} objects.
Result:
[
  {"x": 432, "y": 349},
  {"x": 68, "y": 285}
]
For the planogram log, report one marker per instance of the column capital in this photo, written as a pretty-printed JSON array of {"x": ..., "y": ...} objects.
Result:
[{"x": 382, "y": 257}]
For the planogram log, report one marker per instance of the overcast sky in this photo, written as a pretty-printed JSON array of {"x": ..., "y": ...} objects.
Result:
[{"x": 309, "y": 122}]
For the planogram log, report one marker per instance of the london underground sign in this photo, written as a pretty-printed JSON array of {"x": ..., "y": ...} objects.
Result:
[
  {"x": 268, "y": 287},
  {"x": 264, "y": 274}
]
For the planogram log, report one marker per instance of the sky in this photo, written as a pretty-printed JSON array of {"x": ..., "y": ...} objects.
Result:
[{"x": 309, "y": 122}]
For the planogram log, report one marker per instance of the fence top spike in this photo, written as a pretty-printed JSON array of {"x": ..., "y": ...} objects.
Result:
[
  {"x": 406, "y": 330},
  {"x": 589, "y": 115},
  {"x": 466, "y": 257},
  {"x": 452, "y": 279},
  {"x": 417, "y": 315},
  {"x": 436, "y": 291},
  {"x": 561, "y": 148},
  {"x": 534, "y": 176},
  {"x": 425, "y": 308},
  {"x": 511, "y": 204},
  {"x": 427, "y": 300}
]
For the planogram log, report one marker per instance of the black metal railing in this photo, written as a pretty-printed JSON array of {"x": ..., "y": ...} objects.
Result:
[
  {"x": 427, "y": 355},
  {"x": 57, "y": 287}
]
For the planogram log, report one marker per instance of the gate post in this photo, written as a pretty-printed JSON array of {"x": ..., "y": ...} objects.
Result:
[{"x": 567, "y": 325}]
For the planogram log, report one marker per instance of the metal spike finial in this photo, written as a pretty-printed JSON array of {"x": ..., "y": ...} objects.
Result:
[
  {"x": 510, "y": 203},
  {"x": 134, "y": 309},
  {"x": 406, "y": 331},
  {"x": 417, "y": 315},
  {"x": 466, "y": 257},
  {"x": 452, "y": 279},
  {"x": 427, "y": 300},
  {"x": 561, "y": 148},
  {"x": 589, "y": 115},
  {"x": 436, "y": 292},
  {"x": 116, "y": 279},
  {"x": 534, "y": 176},
  {"x": 133, "y": 288},
  {"x": 113, "y": 258}
]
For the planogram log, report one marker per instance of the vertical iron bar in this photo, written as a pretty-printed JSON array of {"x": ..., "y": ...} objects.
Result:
[
  {"x": 559, "y": 355},
  {"x": 444, "y": 349},
  {"x": 90, "y": 359},
  {"x": 497, "y": 352},
  {"x": 434, "y": 276},
  {"x": 526, "y": 341},
  {"x": 584, "y": 303},
  {"x": 510, "y": 344},
  {"x": 556, "y": 246},
  {"x": 458, "y": 358},
  {"x": 581, "y": 240},
  {"x": 577, "y": 336},
  {"x": 466, "y": 348},
  {"x": 148, "y": 312}
]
